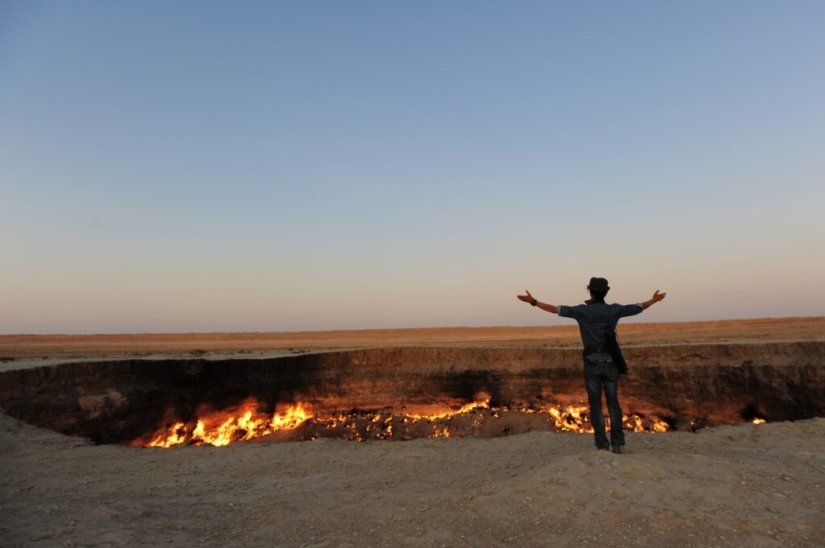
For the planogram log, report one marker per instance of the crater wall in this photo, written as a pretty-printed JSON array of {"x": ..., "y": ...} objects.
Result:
[{"x": 688, "y": 385}]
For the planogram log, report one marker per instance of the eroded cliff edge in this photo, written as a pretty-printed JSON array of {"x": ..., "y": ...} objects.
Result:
[{"x": 687, "y": 385}]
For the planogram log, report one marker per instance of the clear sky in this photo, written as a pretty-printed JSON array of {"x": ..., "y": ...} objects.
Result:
[{"x": 278, "y": 166}]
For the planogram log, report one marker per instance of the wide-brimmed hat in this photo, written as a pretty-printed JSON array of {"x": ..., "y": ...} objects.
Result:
[{"x": 598, "y": 284}]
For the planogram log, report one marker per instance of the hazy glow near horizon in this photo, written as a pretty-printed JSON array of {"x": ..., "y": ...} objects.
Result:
[{"x": 279, "y": 166}]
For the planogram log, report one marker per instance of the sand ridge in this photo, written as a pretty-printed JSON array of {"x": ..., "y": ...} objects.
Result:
[{"x": 752, "y": 330}]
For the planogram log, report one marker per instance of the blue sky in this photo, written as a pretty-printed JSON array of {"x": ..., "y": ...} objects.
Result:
[{"x": 280, "y": 166}]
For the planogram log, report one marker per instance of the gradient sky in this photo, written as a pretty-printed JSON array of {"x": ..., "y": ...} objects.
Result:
[{"x": 280, "y": 166}]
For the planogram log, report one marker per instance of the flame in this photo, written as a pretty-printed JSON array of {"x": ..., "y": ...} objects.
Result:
[
  {"x": 758, "y": 421},
  {"x": 223, "y": 428},
  {"x": 463, "y": 410},
  {"x": 244, "y": 423},
  {"x": 635, "y": 423},
  {"x": 571, "y": 419}
]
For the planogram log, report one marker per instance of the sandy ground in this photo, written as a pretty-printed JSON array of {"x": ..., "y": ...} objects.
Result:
[
  {"x": 744, "y": 486},
  {"x": 34, "y": 350}
]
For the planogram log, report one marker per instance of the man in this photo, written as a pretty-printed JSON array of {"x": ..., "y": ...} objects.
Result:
[{"x": 600, "y": 373}]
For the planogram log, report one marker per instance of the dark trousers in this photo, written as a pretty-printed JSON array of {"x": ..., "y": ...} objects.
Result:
[{"x": 598, "y": 378}]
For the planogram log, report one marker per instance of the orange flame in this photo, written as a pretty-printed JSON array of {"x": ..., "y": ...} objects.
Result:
[
  {"x": 570, "y": 418},
  {"x": 223, "y": 428},
  {"x": 245, "y": 423}
]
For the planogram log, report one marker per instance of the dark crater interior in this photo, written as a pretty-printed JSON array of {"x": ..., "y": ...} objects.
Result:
[{"x": 686, "y": 386}]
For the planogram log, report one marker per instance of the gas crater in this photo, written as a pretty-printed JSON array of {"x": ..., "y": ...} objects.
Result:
[{"x": 410, "y": 392}]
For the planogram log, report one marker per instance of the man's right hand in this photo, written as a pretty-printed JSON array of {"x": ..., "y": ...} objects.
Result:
[{"x": 654, "y": 299}]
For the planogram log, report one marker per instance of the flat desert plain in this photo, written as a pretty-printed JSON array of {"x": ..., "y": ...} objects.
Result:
[{"x": 744, "y": 485}]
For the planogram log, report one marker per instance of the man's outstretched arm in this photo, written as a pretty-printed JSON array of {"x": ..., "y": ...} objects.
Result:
[
  {"x": 547, "y": 307},
  {"x": 653, "y": 300}
]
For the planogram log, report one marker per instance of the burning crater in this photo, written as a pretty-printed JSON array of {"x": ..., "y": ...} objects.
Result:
[{"x": 407, "y": 393}]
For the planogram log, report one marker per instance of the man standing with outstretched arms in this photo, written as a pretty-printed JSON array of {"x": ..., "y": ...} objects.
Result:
[{"x": 600, "y": 372}]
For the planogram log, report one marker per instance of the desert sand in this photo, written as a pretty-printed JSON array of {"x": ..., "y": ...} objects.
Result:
[{"x": 744, "y": 485}]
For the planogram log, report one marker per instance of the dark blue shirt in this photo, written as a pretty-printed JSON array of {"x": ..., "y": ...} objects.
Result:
[{"x": 593, "y": 317}]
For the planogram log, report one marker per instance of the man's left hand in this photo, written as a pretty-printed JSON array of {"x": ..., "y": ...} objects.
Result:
[{"x": 526, "y": 298}]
